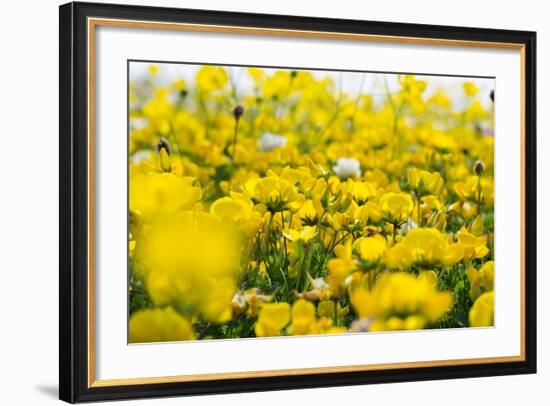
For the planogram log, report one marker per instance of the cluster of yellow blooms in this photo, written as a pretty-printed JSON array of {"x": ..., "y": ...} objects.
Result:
[{"x": 294, "y": 208}]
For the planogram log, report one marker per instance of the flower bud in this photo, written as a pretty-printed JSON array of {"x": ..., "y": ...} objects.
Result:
[
  {"x": 163, "y": 144},
  {"x": 164, "y": 160},
  {"x": 479, "y": 167},
  {"x": 238, "y": 111}
]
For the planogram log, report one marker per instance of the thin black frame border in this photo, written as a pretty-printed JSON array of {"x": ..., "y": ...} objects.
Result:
[{"x": 73, "y": 206}]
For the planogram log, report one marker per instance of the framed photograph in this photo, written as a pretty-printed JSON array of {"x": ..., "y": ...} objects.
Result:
[{"x": 257, "y": 202}]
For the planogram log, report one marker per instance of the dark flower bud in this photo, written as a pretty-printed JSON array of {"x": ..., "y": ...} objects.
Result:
[
  {"x": 293, "y": 74},
  {"x": 163, "y": 144},
  {"x": 492, "y": 95},
  {"x": 479, "y": 167},
  {"x": 238, "y": 111}
]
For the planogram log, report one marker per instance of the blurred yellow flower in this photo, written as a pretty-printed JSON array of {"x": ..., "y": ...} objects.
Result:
[
  {"x": 482, "y": 280},
  {"x": 400, "y": 301},
  {"x": 341, "y": 266},
  {"x": 398, "y": 257},
  {"x": 239, "y": 211},
  {"x": 429, "y": 245},
  {"x": 153, "y": 69},
  {"x": 162, "y": 324},
  {"x": 192, "y": 260},
  {"x": 371, "y": 249},
  {"x": 154, "y": 195},
  {"x": 303, "y": 317},
  {"x": 272, "y": 319},
  {"x": 211, "y": 78},
  {"x": 482, "y": 313},
  {"x": 470, "y": 88}
]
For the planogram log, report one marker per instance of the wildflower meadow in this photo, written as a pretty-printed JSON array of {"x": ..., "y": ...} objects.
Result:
[{"x": 277, "y": 202}]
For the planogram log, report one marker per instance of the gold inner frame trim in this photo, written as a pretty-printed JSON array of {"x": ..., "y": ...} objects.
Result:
[{"x": 94, "y": 22}]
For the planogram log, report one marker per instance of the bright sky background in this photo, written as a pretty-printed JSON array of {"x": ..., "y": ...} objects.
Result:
[{"x": 349, "y": 82}]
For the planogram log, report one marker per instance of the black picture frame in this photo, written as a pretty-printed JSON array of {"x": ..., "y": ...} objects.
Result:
[{"x": 74, "y": 200}]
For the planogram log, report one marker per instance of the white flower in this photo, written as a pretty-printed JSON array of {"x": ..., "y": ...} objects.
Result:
[
  {"x": 319, "y": 283},
  {"x": 140, "y": 156},
  {"x": 269, "y": 141},
  {"x": 138, "y": 123},
  {"x": 346, "y": 167}
]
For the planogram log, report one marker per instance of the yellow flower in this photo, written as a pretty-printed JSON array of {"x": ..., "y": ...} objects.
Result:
[
  {"x": 424, "y": 182},
  {"x": 227, "y": 208},
  {"x": 375, "y": 213},
  {"x": 438, "y": 220},
  {"x": 429, "y": 205},
  {"x": 191, "y": 260},
  {"x": 398, "y": 323},
  {"x": 470, "y": 190},
  {"x": 429, "y": 245},
  {"x": 277, "y": 85},
  {"x": 303, "y": 317},
  {"x": 159, "y": 194},
  {"x": 162, "y": 324},
  {"x": 304, "y": 235},
  {"x": 164, "y": 160},
  {"x": 397, "y": 297},
  {"x": 179, "y": 84},
  {"x": 476, "y": 228},
  {"x": 482, "y": 313},
  {"x": 430, "y": 277},
  {"x": 452, "y": 255},
  {"x": 397, "y": 207},
  {"x": 474, "y": 247},
  {"x": 470, "y": 88},
  {"x": 482, "y": 280},
  {"x": 341, "y": 266},
  {"x": 211, "y": 78},
  {"x": 467, "y": 190},
  {"x": 256, "y": 73},
  {"x": 362, "y": 191},
  {"x": 239, "y": 211},
  {"x": 398, "y": 257},
  {"x": 326, "y": 309},
  {"x": 443, "y": 142},
  {"x": 371, "y": 249},
  {"x": 272, "y": 319},
  {"x": 309, "y": 212},
  {"x": 274, "y": 192}
]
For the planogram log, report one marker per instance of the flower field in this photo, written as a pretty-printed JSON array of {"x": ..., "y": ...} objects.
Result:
[{"x": 290, "y": 206}]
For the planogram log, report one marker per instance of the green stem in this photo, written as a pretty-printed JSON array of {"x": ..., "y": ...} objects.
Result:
[
  {"x": 234, "y": 142},
  {"x": 267, "y": 230},
  {"x": 307, "y": 264},
  {"x": 419, "y": 212},
  {"x": 478, "y": 194}
]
